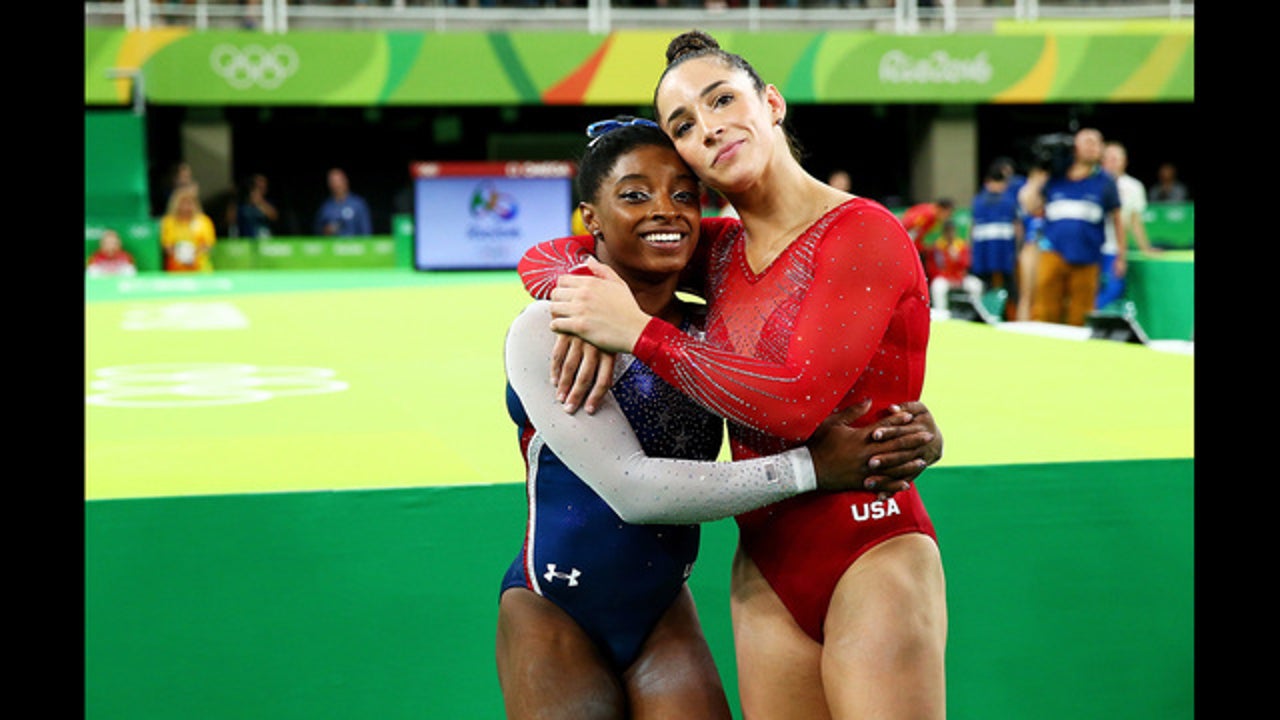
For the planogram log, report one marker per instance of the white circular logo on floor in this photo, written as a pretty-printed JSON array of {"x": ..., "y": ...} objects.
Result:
[{"x": 167, "y": 385}]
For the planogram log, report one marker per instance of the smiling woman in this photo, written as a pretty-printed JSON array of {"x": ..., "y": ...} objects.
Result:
[{"x": 609, "y": 629}]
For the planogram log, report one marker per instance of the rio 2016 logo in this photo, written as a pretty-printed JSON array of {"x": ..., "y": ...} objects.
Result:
[{"x": 488, "y": 201}]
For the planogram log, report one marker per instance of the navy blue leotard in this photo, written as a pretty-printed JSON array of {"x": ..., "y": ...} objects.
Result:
[{"x": 616, "y": 579}]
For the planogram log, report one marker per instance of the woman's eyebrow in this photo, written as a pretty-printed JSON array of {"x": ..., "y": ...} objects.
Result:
[{"x": 705, "y": 92}]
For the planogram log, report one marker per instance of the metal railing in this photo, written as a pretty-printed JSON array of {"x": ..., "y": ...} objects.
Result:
[{"x": 603, "y": 16}]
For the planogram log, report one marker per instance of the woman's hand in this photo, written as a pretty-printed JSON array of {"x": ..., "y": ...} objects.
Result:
[
  {"x": 907, "y": 442},
  {"x": 885, "y": 456},
  {"x": 580, "y": 369},
  {"x": 597, "y": 306}
]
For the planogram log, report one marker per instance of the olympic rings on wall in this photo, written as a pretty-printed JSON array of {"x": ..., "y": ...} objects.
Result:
[{"x": 254, "y": 65}]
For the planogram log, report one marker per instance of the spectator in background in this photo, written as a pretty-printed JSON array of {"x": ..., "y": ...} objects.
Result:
[
  {"x": 840, "y": 180},
  {"x": 1028, "y": 255},
  {"x": 344, "y": 213},
  {"x": 1014, "y": 181},
  {"x": 576, "y": 226},
  {"x": 996, "y": 233},
  {"x": 110, "y": 258},
  {"x": 922, "y": 219},
  {"x": 1167, "y": 188},
  {"x": 180, "y": 175},
  {"x": 1032, "y": 234},
  {"x": 1133, "y": 203},
  {"x": 250, "y": 20},
  {"x": 257, "y": 215},
  {"x": 223, "y": 208},
  {"x": 1077, "y": 204},
  {"x": 187, "y": 235},
  {"x": 952, "y": 258}
]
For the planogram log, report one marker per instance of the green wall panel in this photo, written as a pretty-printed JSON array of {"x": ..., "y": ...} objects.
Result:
[
  {"x": 115, "y": 165},
  {"x": 1070, "y": 592},
  {"x": 1145, "y": 64}
]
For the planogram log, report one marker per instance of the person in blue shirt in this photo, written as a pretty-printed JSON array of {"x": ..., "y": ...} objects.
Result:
[
  {"x": 257, "y": 214},
  {"x": 1077, "y": 205},
  {"x": 995, "y": 234},
  {"x": 1030, "y": 231},
  {"x": 344, "y": 213}
]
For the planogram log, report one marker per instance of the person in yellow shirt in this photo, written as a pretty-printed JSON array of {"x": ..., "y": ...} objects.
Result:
[
  {"x": 186, "y": 233},
  {"x": 576, "y": 226}
]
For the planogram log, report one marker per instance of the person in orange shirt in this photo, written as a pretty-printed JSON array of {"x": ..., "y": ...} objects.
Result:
[
  {"x": 187, "y": 235},
  {"x": 920, "y": 220}
]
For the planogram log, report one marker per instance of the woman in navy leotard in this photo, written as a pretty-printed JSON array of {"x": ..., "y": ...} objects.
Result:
[{"x": 595, "y": 617}]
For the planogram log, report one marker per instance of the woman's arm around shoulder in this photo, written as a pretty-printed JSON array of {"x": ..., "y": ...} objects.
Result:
[{"x": 639, "y": 488}]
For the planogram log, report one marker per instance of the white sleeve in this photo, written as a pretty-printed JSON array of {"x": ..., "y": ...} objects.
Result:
[
  {"x": 1133, "y": 197},
  {"x": 603, "y": 450}
]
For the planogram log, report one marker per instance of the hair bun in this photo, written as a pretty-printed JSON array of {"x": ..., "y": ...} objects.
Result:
[{"x": 693, "y": 41}]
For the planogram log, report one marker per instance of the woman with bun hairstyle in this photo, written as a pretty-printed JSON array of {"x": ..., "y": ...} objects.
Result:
[{"x": 816, "y": 301}]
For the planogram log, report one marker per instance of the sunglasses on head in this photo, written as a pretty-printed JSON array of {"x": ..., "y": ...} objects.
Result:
[{"x": 600, "y": 127}]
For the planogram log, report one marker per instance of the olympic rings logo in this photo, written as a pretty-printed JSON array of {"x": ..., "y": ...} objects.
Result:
[
  {"x": 170, "y": 385},
  {"x": 254, "y": 65}
]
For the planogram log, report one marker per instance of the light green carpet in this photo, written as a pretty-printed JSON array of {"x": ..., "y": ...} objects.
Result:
[{"x": 290, "y": 381}]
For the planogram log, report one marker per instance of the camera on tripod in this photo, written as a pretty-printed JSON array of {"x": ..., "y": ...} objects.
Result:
[{"x": 1053, "y": 152}]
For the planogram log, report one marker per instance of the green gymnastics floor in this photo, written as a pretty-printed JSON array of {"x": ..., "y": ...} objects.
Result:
[
  {"x": 302, "y": 490},
  {"x": 294, "y": 381}
]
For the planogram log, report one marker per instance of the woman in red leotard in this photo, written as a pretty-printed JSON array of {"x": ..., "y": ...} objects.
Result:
[{"x": 817, "y": 299}]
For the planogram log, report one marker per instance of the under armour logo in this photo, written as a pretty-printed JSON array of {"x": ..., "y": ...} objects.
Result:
[{"x": 571, "y": 576}]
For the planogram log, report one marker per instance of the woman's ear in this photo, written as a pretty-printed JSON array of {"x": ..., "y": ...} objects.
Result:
[
  {"x": 777, "y": 104},
  {"x": 589, "y": 219}
]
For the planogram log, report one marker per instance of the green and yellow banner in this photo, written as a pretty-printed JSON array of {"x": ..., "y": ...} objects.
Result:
[{"x": 1106, "y": 62}]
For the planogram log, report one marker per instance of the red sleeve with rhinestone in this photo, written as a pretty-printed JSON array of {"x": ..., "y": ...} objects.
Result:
[
  {"x": 853, "y": 293},
  {"x": 546, "y": 261}
]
